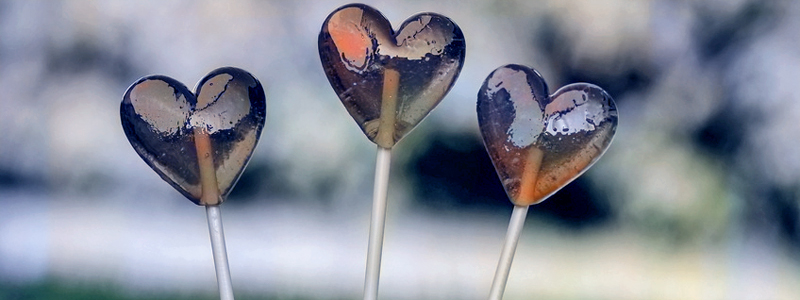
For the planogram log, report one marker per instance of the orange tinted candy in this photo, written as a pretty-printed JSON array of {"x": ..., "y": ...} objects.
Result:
[
  {"x": 539, "y": 143},
  {"x": 389, "y": 81}
]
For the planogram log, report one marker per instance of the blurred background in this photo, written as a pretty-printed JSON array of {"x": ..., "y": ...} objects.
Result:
[{"x": 698, "y": 196}]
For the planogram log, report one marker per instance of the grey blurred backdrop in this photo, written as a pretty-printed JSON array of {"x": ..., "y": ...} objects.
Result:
[{"x": 697, "y": 198}]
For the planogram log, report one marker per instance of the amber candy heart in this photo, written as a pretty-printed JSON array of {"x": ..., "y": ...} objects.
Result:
[
  {"x": 389, "y": 81},
  {"x": 538, "y": 142},
  {"x": 199, "y": 143}
]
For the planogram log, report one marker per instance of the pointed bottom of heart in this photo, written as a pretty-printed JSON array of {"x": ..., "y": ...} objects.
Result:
[{"x": 541, "y": 173}]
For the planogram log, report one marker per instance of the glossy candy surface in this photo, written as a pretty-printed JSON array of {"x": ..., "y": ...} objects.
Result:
[
  {"x": 168, "y": 126},
  {"x": 389, "y": 81},
  {"x": 539, "y": 142}
]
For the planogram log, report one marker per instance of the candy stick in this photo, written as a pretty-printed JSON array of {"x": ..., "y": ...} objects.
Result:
[
  {"x": 385, "y": 136},
  {"x": 527, "y": 194},
  {"x": 219, "y": 252},
  {"x": 507, "y": 255},
  {"x": 530, "y": 173},
  {"x": 377, "y": 223},
  {"x": 386, "y": 127},
  {"x": 205, "y": 161},
  {"x": 211, "y": 199}
]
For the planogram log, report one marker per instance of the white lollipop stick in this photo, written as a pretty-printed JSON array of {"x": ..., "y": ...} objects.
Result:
[
  {"x": 384, "y": 136},
  {"x": 219, "y": 252},
  {"x": 507, "y": 255},
  {"x": 377, "y": 223},
  {"x": 211, "y": 200}
]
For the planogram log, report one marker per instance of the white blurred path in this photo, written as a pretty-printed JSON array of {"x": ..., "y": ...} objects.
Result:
[{"x": 295, "y": 251}]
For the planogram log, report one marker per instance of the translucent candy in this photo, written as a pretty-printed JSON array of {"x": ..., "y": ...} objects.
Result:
[
  {"x": 540, "y": 143},
  {"x": 198, "y": 144},
  {"x": 389, "y": 81}
]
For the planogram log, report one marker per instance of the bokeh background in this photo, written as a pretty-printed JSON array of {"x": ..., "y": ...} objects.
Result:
[{"x": 697, "y": 198}]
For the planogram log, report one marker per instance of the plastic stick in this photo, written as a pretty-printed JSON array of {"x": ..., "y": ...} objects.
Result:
[
  {"x": 507, "y": 254},
  {"x": 377, "y": 223},
  {"x": 219, "y": 252},
  {"x": 210, "y": 198}
]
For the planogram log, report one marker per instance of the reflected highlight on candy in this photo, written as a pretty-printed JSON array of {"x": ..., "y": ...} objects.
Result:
[{"x": 538, "y": 142}]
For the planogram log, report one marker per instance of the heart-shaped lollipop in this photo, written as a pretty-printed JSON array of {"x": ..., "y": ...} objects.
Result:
[
  {"x": 389, "y": 81},
  {"x": 199, "y": 143},
  {"x": 538, "y": 142}
]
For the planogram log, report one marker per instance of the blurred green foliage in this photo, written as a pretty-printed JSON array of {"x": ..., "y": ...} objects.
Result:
[{"x": 58, "y": 290}]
